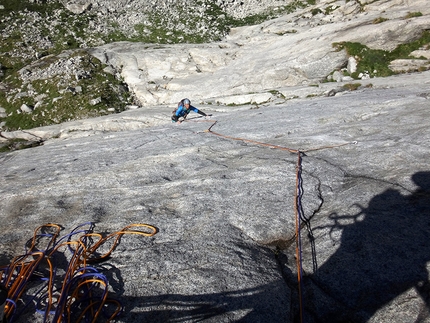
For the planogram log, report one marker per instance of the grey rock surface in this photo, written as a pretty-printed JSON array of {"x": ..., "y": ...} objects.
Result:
[{"x": 225, "y": 208}]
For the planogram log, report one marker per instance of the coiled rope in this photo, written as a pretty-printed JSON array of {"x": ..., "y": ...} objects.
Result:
[
  {"x": 298, "y": 209},
  {"x": 78, "y": 295}
]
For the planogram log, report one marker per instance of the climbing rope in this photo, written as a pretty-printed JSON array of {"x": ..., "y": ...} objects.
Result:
[
  {"x": 295, "y": 151},
  {"x": 70, "y": 291},
  {"x": 249, "y": 140},
  {"x": 298, "y": 208}
]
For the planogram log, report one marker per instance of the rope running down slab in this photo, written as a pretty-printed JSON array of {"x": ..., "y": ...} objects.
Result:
[{"x": 298, "y": 209}]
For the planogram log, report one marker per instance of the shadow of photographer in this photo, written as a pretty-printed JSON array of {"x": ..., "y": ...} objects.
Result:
[{"x": 383, "y": 253}]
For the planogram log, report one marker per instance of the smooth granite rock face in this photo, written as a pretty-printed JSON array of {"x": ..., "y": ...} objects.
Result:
[{"x": 225, "y": 208}]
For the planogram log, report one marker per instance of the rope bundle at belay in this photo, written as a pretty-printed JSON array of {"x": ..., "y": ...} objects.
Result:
[{"x": 54, "y": 275}]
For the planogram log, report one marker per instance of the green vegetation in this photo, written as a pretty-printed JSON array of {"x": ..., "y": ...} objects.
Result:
[
  {"x": 59, "y": 101},
  {"x": 413, "y": 15},
  {"x": 328, "y": 10},
  {"x": 352, "y": 86},
  {"x": 239, "y": 104},
  {"x": 379, "y": 20},
  {"x": 376, "y": 61},
  {"x": 62, "y": 99},
  {"x": 316, "y": 11},
  {"x": 282, "y": 33},
  {"x": 259, "y": 18},
  {"x": 164, "y": 30},
  {"x": 68, "y": 34},
  {"x": 277, "y": 94},
  {"x": 190, "y": 27},
  {"x": 18, "y": 144}
]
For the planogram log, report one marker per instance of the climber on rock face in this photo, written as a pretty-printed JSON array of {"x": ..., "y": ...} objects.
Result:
[{"x": 184, "y": 107}]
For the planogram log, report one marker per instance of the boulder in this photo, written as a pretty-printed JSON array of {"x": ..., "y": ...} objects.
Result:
[
  {"x": 3, "y": 113},
  {"x": 352, "y": 65},
  {"x": 26, "y": 108},
  {"x": 78, "y": 7}
]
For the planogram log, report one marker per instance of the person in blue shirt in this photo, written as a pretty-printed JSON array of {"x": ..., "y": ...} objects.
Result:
[{"x": 184, "y": 107}]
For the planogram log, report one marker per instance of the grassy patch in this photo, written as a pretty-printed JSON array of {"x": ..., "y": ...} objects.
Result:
[
  {"x": 61, "y": 98},
  {"x": 379, "y": 20},
  {"x": 316, "y": 11},
  {"x": 376, "y": 62},
  {"x": 277, "y": 94},
  {"x": 313, "y": 95},
  {"x": 352, "y": 86},
  {"x": 269, "y": 14},
  {"x": 18, "y": 144},
  {"x": 413, "y": 15},
  {"x": 238, "y": 105},
  {"x": 328, "y": 10},
  {"x": 373, "y": 61},
  {"x": 292, "y": 31}
]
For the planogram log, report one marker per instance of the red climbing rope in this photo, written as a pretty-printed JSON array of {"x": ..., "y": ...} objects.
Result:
[{"x": 297, "y": 199}]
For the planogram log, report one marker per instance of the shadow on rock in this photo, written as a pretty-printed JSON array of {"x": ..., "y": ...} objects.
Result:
[
  {"x": 383, "y": 253},
  {"x": 260, "y": 304}
]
